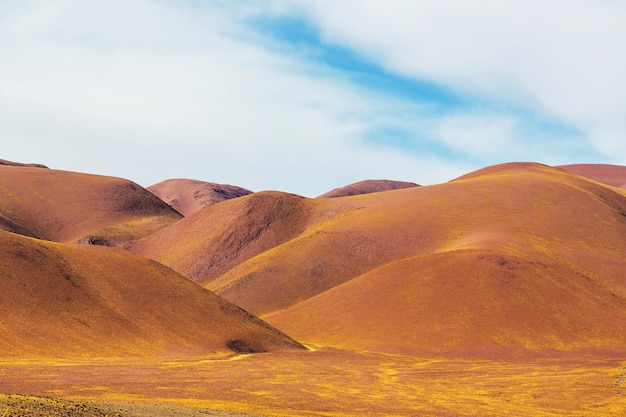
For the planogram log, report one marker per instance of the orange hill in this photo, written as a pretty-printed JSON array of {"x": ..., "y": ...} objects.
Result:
[
  {"x": 188, "y": 196},
  {"x": 73, "y": 207},
  {"x": 212, "y": 241},
  {"x": 614, "y": 175},
  {"x": 59, "y": 300},
  {"x": 367, "y": 187},
  {"x": 502, "y": 258}
]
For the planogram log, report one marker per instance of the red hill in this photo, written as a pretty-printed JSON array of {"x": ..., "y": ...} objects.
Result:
[
  {"x": 188, "y": 196},
  {"x": 501, "y": 258},
  {"x": 367, "y": 187},
  {"x": 614, "y": 175}
]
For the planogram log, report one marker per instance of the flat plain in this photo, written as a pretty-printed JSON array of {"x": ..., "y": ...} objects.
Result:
[{"x": 330, "y": 382}]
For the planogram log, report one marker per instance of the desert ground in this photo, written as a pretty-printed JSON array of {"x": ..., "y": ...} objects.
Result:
[{"x": 324, "y": 382}]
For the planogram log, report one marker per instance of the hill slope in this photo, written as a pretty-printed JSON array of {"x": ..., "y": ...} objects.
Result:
[
  {"x": 367, "y": 187},
  {"x": 73, "y": 207},
  {"x": 59, "y": 300},
  {"x": 188, "y": 196},
  {"x": 212, "y": 241},
  {"x": 499, "y": 258},
  {"x": 511, "y": 265},
  {"x": 614, "y": 175}
]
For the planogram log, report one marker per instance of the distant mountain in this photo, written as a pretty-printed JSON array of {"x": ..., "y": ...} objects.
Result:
[
  {"x": 60, "y": 300},
  {"x": 614, "y": 175},
  {"x": 367, "y": 187},
  {"x": 67, "y": 206},
  {"x": 188, "y": 196},
  {"x": 499, "y": 260}
]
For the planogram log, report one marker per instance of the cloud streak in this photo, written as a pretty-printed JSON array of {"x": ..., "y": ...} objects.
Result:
[{"x": 301, "y": 96}]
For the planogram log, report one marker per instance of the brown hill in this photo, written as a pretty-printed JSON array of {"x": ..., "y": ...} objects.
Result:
[
  {"x": 500, "y": 258},
  {"x": 61, "y": 300},
  {"x": 19, "y": 164},
  {"x": 188, "y": 196},
  {"x": 210, "y": 242},
  {"x": 367, "y": 187},
  {"x": 506, "y": 263},
  {"x": 73, "y": 207},
  {"x": 614, "y": 175}
]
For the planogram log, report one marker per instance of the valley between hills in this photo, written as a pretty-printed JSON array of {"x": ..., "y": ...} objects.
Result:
[{"x": 501, "y": 292}]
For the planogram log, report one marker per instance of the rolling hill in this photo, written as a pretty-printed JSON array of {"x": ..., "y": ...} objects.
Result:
[
  {"x": 188, "y": 196},
  {"x": 67, "y": 206},
  {"x": 614, "y": 175},
  {"x": 502, "y": 258},
  {"x": 367, "y": 187},
  {"x": 60, "y": 300}
]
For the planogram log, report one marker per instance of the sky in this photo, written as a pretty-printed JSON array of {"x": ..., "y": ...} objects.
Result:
[{"x": 304, "y": 96}]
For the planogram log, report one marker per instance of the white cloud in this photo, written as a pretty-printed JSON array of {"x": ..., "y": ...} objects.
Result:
[
  {"x": 561, "y": 58},
  {"x": 150, "y": 90},
  {"x": 87, "y": 86}
]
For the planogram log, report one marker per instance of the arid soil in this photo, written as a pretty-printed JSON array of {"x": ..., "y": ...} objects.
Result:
[
  {"x": 15, "y": 405},
  {"x": 330, "y": 382}
]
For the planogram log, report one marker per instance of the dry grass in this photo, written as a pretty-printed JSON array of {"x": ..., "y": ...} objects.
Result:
[
  {"x": 14, "y": 405},
  {"x": 331, "y": 382}
]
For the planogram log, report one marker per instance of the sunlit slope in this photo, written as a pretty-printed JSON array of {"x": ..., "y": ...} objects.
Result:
[
  {"x": 519, "y": 256},
  {"x": 212, "y": 241},
  {"x": 63, "y": 300},
  {"x": 614, "y": 175},
  {"x": 367, "y": 187},
  {"x": 188, "y": 196},
  {"x": 70, "y": 207}
]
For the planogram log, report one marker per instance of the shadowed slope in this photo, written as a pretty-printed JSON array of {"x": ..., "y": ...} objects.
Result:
[
  {"x": 367, "y": 187},
  {"x": 188, "y": 196},
  {"x": 71, "y": 207},
  {"x": 62, "y": 300},
  {"x": 214, "y": 240},
  {"x": 614, "y": 175}
]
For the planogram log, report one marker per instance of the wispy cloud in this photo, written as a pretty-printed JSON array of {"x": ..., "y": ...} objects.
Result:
[{"x": 307, "y": 96}]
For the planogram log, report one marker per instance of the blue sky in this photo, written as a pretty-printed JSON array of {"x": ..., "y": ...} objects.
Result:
[{"x": 305, "y": 96}]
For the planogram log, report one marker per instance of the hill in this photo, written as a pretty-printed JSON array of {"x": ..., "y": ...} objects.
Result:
[
  {"x": 212, "y": 241},
  {"x": 367, "y": 187},
  {"x": 614, "y": 175},
  {"x": 20, "y": 164},
  {"x": 59, "y": 300},
  {"x": 74, "y": 207},
  {"x": 507, "y": 265},
  {"x": 501, "y": 258},
  {"x": 188, "y": 196}
]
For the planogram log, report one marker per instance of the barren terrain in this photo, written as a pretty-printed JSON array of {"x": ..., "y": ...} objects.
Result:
[{"x": 501, "y": 292}]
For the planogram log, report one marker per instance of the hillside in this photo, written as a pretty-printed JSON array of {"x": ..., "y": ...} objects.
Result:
[
  {"x": 212, "y": 241},
  {"x": 614, "y": 175},
  {"x": 188, "y": 196},
  {"x": 367, "y": 187},
  {"x": 67, "y": 206},
  {"x": 59, "y": 300},
  {"x": 508, "y": 264},
  {"x": 500, "y": 258}
]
